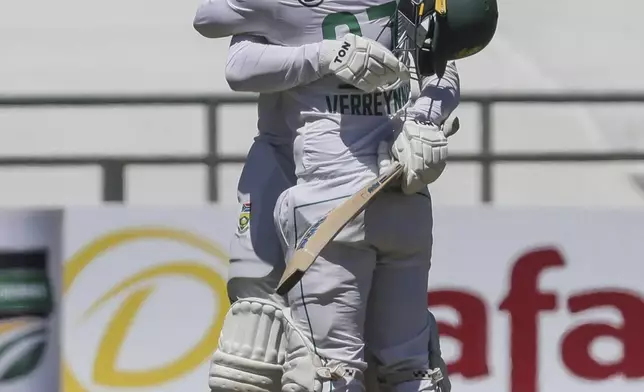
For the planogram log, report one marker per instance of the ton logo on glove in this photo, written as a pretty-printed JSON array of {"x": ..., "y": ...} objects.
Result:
[{"x": 342, "y": 52}]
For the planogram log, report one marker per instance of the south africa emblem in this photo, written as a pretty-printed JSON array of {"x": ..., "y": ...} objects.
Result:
[{"x": 244, "y": 218}]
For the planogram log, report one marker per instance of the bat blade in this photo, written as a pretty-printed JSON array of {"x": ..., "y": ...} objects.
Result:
[{"x": 328, "y": 227}]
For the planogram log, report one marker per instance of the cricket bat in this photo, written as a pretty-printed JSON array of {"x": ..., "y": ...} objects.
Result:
[{"x": 327, "y": 228}]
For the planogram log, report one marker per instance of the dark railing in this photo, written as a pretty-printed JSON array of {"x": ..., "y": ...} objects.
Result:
[{"x": 114, "y": 167}]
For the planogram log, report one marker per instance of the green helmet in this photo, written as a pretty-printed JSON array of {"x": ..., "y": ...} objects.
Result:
[{"x": 444, "y": 30}]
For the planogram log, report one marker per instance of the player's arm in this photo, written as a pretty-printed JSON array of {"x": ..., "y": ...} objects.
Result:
[
  {"x": 438, "y": 98},
  {"x": 223, "y": 18},
  {"x": 254, "y": 65},
  {"x": 421, "y": 144}
]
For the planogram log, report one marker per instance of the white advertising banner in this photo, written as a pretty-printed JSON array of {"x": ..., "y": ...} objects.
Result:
[
  {"x": 528, "y": 300},
  {"x": 145, "y": 296},
  {"x": 541, "y": 300},
  {"x": 29, "y": 300}
]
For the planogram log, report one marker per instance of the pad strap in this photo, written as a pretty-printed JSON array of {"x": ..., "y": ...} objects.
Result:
[{"x": 425, "y": 374}]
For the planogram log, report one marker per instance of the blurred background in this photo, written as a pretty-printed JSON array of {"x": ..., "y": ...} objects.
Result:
[
  {"x": 94, "y": 54},
  {"x": 122, "y": 101}
]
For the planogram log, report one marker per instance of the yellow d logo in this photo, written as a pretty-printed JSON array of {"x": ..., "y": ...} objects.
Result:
[{"x": 104, "y": 370}]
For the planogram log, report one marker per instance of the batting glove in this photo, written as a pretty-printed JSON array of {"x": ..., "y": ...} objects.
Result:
[
  {"x": 421, "y": 148},
  {"x": 362, "y": 63}
]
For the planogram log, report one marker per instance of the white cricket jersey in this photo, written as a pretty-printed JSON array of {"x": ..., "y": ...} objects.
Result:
[
  {"x": 254, "y": 65},
  {"x": 271, "y": 126},
  {"x": 338, "y": 127},
  {"x": 243, "y": 74}
]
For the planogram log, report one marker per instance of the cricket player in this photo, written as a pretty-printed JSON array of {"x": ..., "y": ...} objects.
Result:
[
  {"x": 309, "y": 368},
  {"x": 256, "y": 257}
]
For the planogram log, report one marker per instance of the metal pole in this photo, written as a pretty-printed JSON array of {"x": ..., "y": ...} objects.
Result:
[
  {"x": 486, "y": 152},
  {"x": 113, "y": 181},
  {"x": 213, "y": 169}
]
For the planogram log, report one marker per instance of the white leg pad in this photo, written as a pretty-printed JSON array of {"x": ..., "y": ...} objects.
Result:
[
  {"x": 251, "y": 348},
  {"x": 305, "y": 371}
]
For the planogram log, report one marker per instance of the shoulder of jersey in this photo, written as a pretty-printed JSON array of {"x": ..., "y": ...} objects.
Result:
[
  {"x": 262, "y": 4},
  {"x": 285, "y": 3},
  {"x": 310, "y": 3}
]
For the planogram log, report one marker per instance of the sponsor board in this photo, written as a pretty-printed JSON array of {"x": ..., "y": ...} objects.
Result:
[
  {"x": 145, "y": 296},
  {"x": 29, "y": 273},
  {"x": 527, "y": 300},
  {"x": 540, "y": 300}
]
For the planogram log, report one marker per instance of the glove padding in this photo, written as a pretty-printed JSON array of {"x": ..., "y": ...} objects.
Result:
[
  {"x": 362, "y": 63},
  {"x": 421, "y": 148}
]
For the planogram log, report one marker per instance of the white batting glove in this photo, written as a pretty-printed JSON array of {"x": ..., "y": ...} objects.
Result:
[
  {"x": 362, "y": 63},
  {"x": 422, "y": 150}
]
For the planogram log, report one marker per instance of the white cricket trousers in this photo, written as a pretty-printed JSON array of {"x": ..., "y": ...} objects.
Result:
[
  {"x": 256, "y": 256},
  {"x": 368, "y": 286}
]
